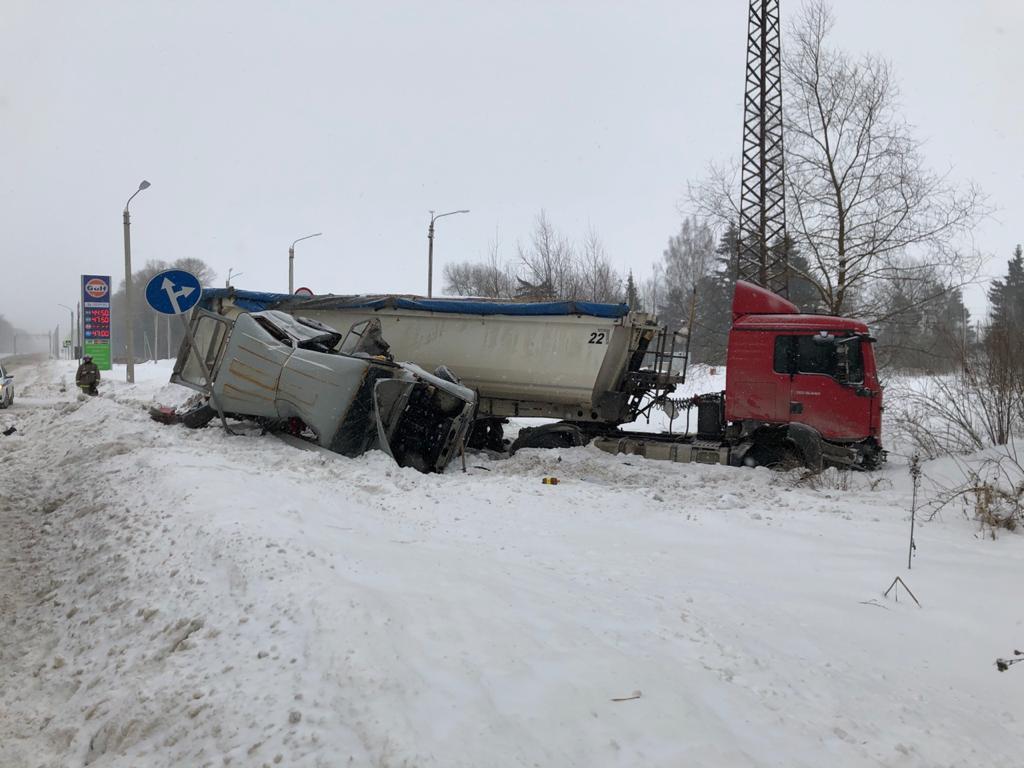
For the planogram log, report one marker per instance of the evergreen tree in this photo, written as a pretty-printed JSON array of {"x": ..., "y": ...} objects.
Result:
[
  {"x": 632, "y": 296},
  {"x": 1007, "y": 295},
  {"x": 710, "y": 332}
]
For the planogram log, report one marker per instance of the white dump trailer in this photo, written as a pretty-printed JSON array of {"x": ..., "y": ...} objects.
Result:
[{"x": 576, "y": 361}]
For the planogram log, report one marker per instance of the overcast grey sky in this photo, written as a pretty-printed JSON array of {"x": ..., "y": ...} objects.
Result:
[{"x": 259, "y": 122}]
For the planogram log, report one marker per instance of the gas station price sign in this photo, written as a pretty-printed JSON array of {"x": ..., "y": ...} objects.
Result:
[{"x": 96, "y": 319}]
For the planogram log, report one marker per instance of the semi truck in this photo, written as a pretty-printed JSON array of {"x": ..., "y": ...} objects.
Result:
[{"x": 800, "y": 388}]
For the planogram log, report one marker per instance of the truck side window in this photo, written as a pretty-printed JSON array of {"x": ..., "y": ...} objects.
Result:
[
  {"x": 785, "y": 354},
  {"x": 801, "y": 354},
  {"x": 813, "y": 357},
  {"x": 854, "y": 362}
]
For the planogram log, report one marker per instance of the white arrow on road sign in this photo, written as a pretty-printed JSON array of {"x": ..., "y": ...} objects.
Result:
[{"x": 172, "y": 294}]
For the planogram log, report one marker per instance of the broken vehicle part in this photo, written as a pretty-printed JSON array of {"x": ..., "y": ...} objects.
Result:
[{"x": 281, "y": 370}]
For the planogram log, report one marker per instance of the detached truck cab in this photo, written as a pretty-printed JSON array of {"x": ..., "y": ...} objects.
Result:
[
  {"x": 818, "y": 371},
  {"x": 800, "y": 389}
]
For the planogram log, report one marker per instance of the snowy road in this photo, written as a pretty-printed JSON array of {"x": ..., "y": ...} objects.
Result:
[{"x": 171, "y": 598}]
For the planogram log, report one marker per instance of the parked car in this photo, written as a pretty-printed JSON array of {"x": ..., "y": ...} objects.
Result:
[{"x": 6, "y": 387}]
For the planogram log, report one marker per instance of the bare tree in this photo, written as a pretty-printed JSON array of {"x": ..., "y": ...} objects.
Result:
[
  {"x": 549, "y": 267},
  {"x": 860, "y": 193},
  {"x": 492, "y": 278},
  {"x": 598, "y": 278},
  {"x": 862, "y": 205},
  {"x": 197, "y": 267},
  {"x": 550, "y": 261}
]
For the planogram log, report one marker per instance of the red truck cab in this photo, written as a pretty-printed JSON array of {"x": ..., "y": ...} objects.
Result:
[{"x": 786, "y": 368}]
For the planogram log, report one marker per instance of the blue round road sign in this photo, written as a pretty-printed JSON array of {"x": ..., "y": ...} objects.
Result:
[{"x": 173, "y": 292}]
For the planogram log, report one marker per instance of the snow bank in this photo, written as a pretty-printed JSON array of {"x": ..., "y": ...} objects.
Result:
[{"x": 175, "y": 597}]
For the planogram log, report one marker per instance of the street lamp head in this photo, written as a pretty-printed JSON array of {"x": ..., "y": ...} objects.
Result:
[
  {"x": 434, "y": 217},
  {"x": 144, "y": 185},
  {"x": 306, "y": 237}
]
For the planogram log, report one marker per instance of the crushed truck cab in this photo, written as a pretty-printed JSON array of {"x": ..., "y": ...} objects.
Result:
[{"x": 287, "y": 373}]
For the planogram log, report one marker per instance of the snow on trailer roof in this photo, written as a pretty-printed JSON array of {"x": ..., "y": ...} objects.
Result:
[{"x": 256, "y": 301}]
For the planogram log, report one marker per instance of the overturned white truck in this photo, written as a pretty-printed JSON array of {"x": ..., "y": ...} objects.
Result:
[{"x": 298, "y": 375}]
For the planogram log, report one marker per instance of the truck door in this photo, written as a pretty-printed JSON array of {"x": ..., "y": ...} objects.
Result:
[
  {"x": 826, "y": 389},
  {"x": 756, "y": 392}
]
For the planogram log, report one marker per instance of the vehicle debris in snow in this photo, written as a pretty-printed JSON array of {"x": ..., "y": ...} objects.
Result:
[{"x": 301, "y": 377}]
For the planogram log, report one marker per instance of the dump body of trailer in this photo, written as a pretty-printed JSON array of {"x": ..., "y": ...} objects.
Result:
[{"x": 576, "y": 361}]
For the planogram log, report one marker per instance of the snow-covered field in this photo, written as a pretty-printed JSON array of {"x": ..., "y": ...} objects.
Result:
[{"x": 190, "y": 598}]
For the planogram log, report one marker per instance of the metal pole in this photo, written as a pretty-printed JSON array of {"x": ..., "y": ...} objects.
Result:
[
  {"x": 430, "y": 258},
  {"x": 430, "y": 248},
  {"x": 71, "y": 330},
  {"x": 130, "y": 369},
  {"x": 156, "y": 336},
  {"x": 291, "y": 259},
  {"x": 78, "y": 333},
  {"x": 915, "y": 474}
]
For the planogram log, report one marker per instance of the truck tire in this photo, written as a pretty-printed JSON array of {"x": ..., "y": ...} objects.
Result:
[
  {"x": 549, "y": 436},
  {"x": 487, "y": 434},
  {"x": 197, "y": 417}
]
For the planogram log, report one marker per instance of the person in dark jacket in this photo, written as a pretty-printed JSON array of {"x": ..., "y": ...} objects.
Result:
[{"x": 88, "y": 376}]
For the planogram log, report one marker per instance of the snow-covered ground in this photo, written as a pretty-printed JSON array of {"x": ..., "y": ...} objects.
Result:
[{"x": 191, "y": 598}]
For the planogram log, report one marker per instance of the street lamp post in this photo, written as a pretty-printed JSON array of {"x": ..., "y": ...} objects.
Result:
[
  {"x": 291, "y": 261},
  {"x": 130, "y": 369},
  {"x": 430, "y": 248},
  {"x": 71, "y": 329}
]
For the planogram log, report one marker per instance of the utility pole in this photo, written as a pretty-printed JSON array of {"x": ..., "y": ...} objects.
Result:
[{"x": 763, "y": 248}]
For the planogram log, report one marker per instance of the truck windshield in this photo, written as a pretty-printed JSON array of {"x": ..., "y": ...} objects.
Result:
[{"x": 842, "y": 360}]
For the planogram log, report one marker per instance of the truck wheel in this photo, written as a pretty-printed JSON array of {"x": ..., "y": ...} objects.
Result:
[
  {"x": 781, "y": 456},
  {"x": 549, "y": 436},
  {"x": 487, "y": 434}
]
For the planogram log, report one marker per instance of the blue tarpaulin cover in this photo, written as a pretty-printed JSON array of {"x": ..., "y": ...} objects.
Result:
[{"x": 256, "y": 301}]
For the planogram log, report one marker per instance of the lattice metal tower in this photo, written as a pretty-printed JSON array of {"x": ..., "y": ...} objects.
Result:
[{"x": 762, "y": 256}]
